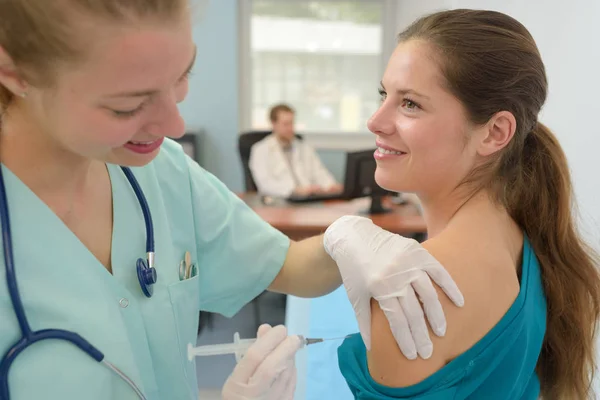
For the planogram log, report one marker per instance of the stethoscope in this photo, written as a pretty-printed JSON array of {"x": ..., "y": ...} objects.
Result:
[{"x": 145, "y": 272}]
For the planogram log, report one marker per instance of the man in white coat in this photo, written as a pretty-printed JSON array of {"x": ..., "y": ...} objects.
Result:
[{"x": 282, "y": 165}]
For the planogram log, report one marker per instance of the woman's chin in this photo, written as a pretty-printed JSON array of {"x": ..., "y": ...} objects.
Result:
[
  {"x": 388, "y": 181},
  {"x": 128, "y": 158}
]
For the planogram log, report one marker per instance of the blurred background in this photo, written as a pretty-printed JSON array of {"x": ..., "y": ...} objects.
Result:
[{"x": 326, "y": 58}]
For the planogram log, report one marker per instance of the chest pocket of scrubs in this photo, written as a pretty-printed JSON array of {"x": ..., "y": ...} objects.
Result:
[{"x": 185, "y": 300}]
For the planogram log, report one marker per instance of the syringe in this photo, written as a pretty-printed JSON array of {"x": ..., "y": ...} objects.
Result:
[{"x": 240, "y": 346}]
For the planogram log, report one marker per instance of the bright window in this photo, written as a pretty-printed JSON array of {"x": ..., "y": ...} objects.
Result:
[{"x": 324, "y": 58}]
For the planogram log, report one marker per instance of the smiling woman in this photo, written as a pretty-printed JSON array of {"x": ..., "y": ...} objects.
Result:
[
  {"x": 458, "y": 125},
  {"x": 103, "y": 95}
]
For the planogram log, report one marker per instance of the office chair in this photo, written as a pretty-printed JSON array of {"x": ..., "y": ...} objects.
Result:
[{"x": 245, "y": 142}]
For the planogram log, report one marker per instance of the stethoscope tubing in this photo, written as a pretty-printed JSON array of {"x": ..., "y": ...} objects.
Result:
[{"x": 29, "y": 337}]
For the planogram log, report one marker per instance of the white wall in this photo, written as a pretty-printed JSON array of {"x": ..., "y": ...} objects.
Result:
[{"x": 568, "y": 36}]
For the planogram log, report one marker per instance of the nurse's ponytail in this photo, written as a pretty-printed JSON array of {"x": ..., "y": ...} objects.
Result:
[
  {"x": 491, "y": 63},
  {"x": 41, "y": 35}
]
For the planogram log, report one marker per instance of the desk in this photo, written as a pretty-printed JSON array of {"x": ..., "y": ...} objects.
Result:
[{"x": 299, "y": 221}]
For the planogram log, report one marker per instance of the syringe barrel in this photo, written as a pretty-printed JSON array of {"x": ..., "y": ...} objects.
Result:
[{"x": 240, "y": 346}]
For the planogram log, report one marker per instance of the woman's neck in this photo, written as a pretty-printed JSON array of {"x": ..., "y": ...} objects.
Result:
[
  {"x": 439, "y": 212},
  {"x": 475, "y": 219},
  {"x": 39, "y": 161}
]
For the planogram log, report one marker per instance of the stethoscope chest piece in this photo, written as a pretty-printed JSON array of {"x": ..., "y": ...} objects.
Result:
[{"x": 147, "y": 277}]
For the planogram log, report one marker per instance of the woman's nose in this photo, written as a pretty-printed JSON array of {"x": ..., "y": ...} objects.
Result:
[
  {"x": 382, "y": 122},
  {"x": 167, "y": 120}
]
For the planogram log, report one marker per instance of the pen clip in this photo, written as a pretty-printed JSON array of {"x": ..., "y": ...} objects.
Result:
[{"x": 187, "y": 270}]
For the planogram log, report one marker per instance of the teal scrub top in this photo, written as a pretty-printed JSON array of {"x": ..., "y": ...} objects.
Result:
[
  {"x": 500, "y": 366},
  {"x": 63, "y": 286}
]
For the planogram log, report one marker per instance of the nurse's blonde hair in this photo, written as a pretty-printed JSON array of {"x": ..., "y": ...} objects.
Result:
[{"x": 40, "y": 35}]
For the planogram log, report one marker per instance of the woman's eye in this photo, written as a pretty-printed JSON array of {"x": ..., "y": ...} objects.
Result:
[
  {"x": 128, "y": 113},
  {"x": 125, "y": 113},
  {"x": 382, "y": 95},
  {"x": 410, "y": 105}
]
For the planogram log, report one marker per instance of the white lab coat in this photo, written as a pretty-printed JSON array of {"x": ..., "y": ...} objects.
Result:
[{"x": 271, "y": 170}]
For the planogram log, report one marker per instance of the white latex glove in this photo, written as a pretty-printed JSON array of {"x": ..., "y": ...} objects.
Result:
[
  {"x": 268, "y": 370},
  {"x": 375, "y": 263}
]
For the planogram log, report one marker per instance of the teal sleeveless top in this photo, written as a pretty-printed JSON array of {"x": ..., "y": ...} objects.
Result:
[{"x": 500, "y": 366}]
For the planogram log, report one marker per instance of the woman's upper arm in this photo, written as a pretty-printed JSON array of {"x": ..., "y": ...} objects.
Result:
[
  {"x": 387, "y": 365},
  {"x": 488, "y": 290}
]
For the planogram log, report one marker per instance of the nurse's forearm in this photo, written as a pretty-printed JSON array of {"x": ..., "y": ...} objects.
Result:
[{"x": 308, "y": 270}]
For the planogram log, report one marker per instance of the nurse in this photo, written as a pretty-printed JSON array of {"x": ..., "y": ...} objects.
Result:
[{"x": 87, "y": 87}]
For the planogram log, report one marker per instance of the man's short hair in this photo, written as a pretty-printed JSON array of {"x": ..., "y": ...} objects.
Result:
[{"x": 275, "y": 110}]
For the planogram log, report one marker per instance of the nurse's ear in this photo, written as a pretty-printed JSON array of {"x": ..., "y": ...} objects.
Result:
[{"x": 10, "y": 77}]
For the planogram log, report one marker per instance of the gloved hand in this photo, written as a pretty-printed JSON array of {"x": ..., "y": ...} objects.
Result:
[
  {"x": 268, "y": 370},
  {"x": 375, "y": 263}
]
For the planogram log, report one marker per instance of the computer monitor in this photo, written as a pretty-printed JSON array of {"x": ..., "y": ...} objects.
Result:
[{"x": 360, "y": 180}]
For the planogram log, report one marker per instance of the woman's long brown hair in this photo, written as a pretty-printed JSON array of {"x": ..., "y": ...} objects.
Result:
[{"x": 491, "y": 63}]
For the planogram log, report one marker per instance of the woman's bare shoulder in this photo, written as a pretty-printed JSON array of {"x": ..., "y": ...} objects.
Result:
[{"x": 483, "y": 271}]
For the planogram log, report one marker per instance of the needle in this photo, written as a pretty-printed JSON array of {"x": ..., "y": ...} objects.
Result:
[{"x": 309, "y": 341}]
